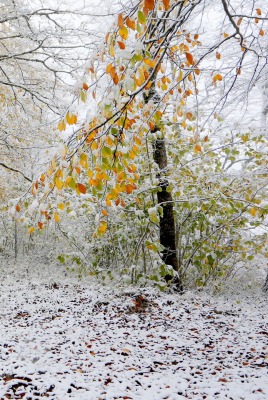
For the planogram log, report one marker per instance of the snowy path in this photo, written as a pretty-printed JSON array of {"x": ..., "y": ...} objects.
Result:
[{"x": 66, "y": 340}]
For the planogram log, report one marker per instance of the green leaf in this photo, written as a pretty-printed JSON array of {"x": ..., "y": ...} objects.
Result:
[
  {"x": 106, "y": 152},
  {"x": 114, "y": 131},
  {"x": 61, "y": 259},
  {"x": 141, "y": 18},
  {"x": 83, "y": 96}
]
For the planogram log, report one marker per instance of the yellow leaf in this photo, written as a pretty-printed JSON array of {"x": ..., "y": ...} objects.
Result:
[
  {"x": 31, "y": 229},
  {"x": 102, "y": 227},
  {"x": 62, "y": 126},
  {"x": 84, "y": 160},
  {"x": 123, "y": 32},
  {"x": 104, "y": 212},
  {"x": 56, "y": 217},
  {"x": 53, "y": 163},
  {"x": 225, "y": 35},
  {"x": 95, "y": 145},
  {"x": 253, "y": 211},
  {"x": 58, "y": 183},
  {"x": 108, "y": 68},
  {"x": 71, "y": 119},
  {"x": 61, "y": 206},
  {"x": 150, "y": 63}
]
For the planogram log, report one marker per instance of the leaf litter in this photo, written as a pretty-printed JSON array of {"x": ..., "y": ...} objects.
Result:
[{"x": 63, "y": 338}]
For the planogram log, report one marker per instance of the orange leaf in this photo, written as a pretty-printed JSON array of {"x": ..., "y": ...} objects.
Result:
[
  {"x": 258, "y": 11},
  {"x": 239, "y": 21},
  {"x": 197, "y": 148},
  {"x": 189, "y": 58},
  {"x": 130, "y": 188},
  {"x": 218, "y": 56},
  {"x": 82, "y": 189},
  {"x": 120, "y": 21},
  {"x": 85, "y": 86},
  {"x": 42, "y": 178},
  {"x": 112, "y": 72},
  {"x": 166, "y": 4},
  {"x": 18, "y": 207},
  {"x": 121, "y": 45},
  {"x": 151, "y": 125},
  {"x": 131, "y": 23},
  {"x": 262, "y": 32},
  {"x": 148, "y": 5},
  {"x": 116, "y": 79},
  {"x": 40, "y": 225},
  {"x": 104, "y": 212},
  {"x": 108, "y": 199},
  {"x": 217, "y": 77}
]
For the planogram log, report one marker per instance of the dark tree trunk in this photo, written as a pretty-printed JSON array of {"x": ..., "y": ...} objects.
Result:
[
  {"x": 167, "y": 221},
  {"x": 265, "y": 287},
  {"x": 165, "y": 200}
]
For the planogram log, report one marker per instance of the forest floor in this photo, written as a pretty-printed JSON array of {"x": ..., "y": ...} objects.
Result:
[{"x": 61, "y": 338}]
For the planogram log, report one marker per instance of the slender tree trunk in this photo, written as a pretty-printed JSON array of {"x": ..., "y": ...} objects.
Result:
[
  {"x": 265, "y": 286},
  {"x": 164, "y": 199}
]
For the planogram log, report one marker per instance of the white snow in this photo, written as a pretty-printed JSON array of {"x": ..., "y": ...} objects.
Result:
[{"x": 61, "y": 338}]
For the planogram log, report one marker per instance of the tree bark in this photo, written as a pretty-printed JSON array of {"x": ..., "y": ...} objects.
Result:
[
  {"x": 167, "y": 221},
  {"x": 164, "y": 199},
  {"x": 265, "y": 286}
]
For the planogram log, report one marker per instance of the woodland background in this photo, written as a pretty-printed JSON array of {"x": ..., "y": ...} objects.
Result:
[{"x": 133, "y": 139}]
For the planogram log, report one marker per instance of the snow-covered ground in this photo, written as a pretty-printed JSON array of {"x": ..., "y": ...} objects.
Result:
[{"x": 61, "y": 339}]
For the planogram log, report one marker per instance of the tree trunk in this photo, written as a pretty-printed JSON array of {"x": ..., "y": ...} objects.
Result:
[
  {"x": 165, "y": 200},
  {"x": 167, "y": 221},
  {"x": 265, "y": 286}
]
